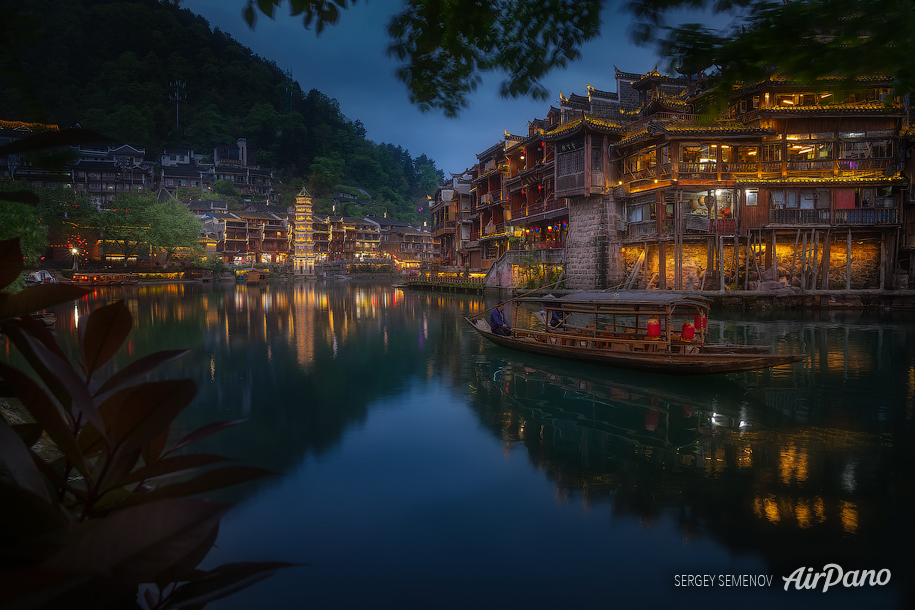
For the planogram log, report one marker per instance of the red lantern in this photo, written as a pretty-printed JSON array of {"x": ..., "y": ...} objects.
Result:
[
  {"x": 689, "y": 331},
  {"x": 654, "y": 328},
  {"x": 701, "y": 322}
]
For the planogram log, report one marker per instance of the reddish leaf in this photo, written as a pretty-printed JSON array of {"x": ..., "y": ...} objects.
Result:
[
  {"x": 46, "y": 413},
  {"x": 223, "y": 581},
  {"x": 152, "y": 450},
  {"x": 149, "y": 408},
  {"x": 106, "y": 330},
  {"x": 205, "y": 431},
  {"x": 16, "y": 463},
  {"x": 58, "y": 375},
  {"x": 202, "y": 483},
  {"x": 138, "y": 368},
  {"x": 24, "y": 515},
  {"x": 121, "y": 463},
  {"x": 29, "y": 434},
  {"x": 10, "y": 265},
  {"x": 31, "y": 326},
  {"x": 57, "y": 478},
  {"x": 172, "y": 466},
  {"x": 135, "y": 544},
  {"x": 38, "y": 297},
  {"x": 151, "y": 600},
  {"x": 34, "y": 588},
  {"x": 185, "y": 567}
]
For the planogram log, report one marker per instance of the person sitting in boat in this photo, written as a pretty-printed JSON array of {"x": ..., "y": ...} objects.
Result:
[
  {"x": 497, "y": 322},
  {"x": 557, "y": 319}
]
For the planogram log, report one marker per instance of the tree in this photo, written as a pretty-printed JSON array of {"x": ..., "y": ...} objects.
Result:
[
  {"x": 19, "y": 220},
  {"x": 226, "y": 189},
  {"x": 447, "y": 45},
  {"x": 804, "y": 40},
  {"x": 125, "y": 224},
  {"x": 173, "y": 227}
]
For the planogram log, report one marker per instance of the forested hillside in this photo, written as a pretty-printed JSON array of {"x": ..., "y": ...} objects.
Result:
[{"x": 109, "y": 65}]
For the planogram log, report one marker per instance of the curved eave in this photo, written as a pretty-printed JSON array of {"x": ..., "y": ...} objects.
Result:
[
  {"x": 895, "y": 180},
  {"x": 829, "y": 111},
  {"x": 580, "y": 125},
  {"x": 826, "y": 80},
  {"x": 723, "y": 132}
]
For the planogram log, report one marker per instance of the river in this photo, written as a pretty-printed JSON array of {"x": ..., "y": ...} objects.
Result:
[{"x": 423, "y": 467}]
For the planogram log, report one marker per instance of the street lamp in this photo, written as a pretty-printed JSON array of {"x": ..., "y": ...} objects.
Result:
[{"x": 75, "y": 253}]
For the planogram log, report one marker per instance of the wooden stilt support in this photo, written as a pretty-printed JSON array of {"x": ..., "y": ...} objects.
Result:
[
  {"x": 826, "y": 259},
  {"x": 848, "y": 263},
  {"x": 797, "y": 240},
  {"x": 804, "y": 264},
  {"x": 815, "y": 242}
]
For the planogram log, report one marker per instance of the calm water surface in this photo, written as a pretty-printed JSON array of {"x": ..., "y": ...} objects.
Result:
[{"x": 425, "y": 468}]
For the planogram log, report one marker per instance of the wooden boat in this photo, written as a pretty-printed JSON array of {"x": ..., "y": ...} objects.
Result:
[{"x": 653, "y": 331}]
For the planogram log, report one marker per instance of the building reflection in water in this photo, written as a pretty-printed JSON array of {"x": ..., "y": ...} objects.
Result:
[{"x": 714, "y": 454}]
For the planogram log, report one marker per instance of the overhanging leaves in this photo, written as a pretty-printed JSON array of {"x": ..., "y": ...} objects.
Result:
[
  {"x": 223, "y": 581},
  {"x": 106, "y": 330}
]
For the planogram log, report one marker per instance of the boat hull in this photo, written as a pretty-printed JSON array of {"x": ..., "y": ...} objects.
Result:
[{"x": 697, "y": 363}]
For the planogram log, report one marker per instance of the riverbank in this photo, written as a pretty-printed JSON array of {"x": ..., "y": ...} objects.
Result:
[{"x": 763, "y": 300}]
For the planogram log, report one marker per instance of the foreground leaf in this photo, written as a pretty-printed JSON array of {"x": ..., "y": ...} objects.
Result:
[
  {"x": 205, "y": 431},
  {"x": 148, "y": 409},
  {"x": 16, "y": 464},
  {"x": 138, "y": 368},
  {"x": 172, "y": 466},
  {"x": 202, "y": 483},
  {"x": 10, "y": 265},
  {"x": 66, "y": 385},
  {"x": 106, "y": 330},
  {"x": 135, "y": 544},
  {"x": 46, "y": 413},
  {"x": 38, "y": 297},
  {"x": 223, "y": 581}
]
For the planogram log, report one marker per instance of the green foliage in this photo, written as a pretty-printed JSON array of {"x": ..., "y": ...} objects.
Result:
[
  {"x": 126, "y": 222},
  {"x": 215, "y": 264},
  {"x": 802, "y": 40},
  {"x": 110, "y": 508},
  {"x": 224, "y": 188},
  {"x": 172, "y": 227},
  {"x": 447, "y": 46},
  {"x": 19, "y": 220}
]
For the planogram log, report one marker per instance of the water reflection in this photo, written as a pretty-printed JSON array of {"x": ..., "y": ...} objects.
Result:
[
  {"x": 794, "y": 466},
  {"x": 730, "y": 465}
]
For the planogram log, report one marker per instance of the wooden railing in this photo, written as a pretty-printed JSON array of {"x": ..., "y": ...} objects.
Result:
[
  {"x": 866, "y": 216},
  {"x": 798, "y": 216}
]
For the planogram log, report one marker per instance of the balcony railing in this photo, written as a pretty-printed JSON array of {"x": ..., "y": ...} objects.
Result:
[
  {"x": 866, "y": 216},
  {"x": 540, "y": 207},
  {"x": 799, "y": 217},
  {"x": 571, "y": 182}
]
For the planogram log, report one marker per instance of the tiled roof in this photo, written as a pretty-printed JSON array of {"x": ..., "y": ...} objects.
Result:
[{"x": 591, "y": 122}]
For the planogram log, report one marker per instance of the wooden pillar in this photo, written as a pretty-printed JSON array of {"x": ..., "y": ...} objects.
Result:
[
  {"x": 720, "y": 239},
  {"x": 883, "y": 263},
  {"x": 848, "y": 263},
  {"x": 804, "y": 264},
  {"x": 770, "y": 252},
  {"x": 826, "y": 259},
  {"x": 662, "y": 264}
]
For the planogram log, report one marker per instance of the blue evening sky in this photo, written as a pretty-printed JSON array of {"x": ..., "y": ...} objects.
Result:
[{"x": 348, "y": 62}]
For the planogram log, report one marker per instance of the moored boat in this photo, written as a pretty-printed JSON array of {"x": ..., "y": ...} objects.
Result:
[{"x": 652, "y": 331}]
